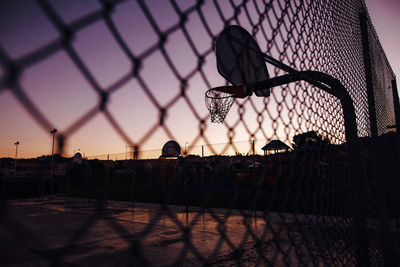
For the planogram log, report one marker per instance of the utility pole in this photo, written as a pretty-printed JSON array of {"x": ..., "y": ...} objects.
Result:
[{"x": 15, "y": 160}]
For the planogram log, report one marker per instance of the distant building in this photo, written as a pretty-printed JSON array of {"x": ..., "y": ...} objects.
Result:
[
  {"x": 171, "y": 149},
  {"x": 276, "y": 146}
]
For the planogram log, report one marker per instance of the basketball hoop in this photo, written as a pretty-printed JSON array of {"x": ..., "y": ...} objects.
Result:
[
  {"x": 219, "y": 103},
  {"x": 220, "y": 99}
]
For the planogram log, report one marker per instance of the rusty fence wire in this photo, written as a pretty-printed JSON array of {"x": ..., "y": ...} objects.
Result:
[{"x": 331, "y": 199}]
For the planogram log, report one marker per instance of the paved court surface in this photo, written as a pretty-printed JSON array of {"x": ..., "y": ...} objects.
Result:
[{"x": 70, "y": 231}]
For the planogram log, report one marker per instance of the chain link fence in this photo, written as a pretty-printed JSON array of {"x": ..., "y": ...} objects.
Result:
[{"x": 327, "y": 201}]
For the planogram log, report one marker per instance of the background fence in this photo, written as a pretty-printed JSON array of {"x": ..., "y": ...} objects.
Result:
[
  {"x": 168, "y": 62},
  {"x": 241, "y": 148}
]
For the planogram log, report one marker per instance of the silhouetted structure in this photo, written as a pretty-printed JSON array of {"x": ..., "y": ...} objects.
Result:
[{"x": 276, "y": 146}]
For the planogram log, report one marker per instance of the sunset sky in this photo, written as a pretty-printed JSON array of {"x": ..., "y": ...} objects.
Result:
[{"x": 64, "y": 96}]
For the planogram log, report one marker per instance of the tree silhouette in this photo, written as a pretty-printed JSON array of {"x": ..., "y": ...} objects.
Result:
[{"x": 311, "y": 138}]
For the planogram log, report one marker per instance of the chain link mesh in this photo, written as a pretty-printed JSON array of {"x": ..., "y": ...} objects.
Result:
[{"x": 313, "y": 203}]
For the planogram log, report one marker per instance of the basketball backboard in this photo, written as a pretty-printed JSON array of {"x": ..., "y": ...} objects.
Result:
[{"x": 239, "y": 58}]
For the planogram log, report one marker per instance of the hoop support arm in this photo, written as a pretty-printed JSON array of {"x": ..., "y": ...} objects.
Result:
[{"x": 323, "y": 81}]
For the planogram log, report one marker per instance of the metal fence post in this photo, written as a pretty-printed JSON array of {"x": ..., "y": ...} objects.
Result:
[
  {"x": 374, "y": 150},
  {"x": 107, "y": 193},
  {"x": 133, "y": 194},
  {"x": 68, "y": 183},
  {"x": 396, "y": 105},
  {"x": 53, "y": 132},
  {"x": 86, "y": 181},
  {"x": 43, "y": 185},
  {"x": 368, "y": 74},
  {"x": 203, "y": 186},
  {"x": 186, "y": 188},
  {"x": 4, "y": 188}
]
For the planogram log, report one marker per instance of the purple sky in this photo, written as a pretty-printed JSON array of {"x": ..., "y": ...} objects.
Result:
[
  {"x": 65, "y": 95},
  {"x": 385, "y": 15}
]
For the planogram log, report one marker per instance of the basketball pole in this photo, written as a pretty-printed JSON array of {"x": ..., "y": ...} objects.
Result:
[{"x": 336, "y": 88}]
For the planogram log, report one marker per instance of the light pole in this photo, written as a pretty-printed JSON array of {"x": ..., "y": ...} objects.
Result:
[
  {"x": 15, "y": 161},
  {"x": 53, "y": 132},
  {"x": 185, "y": 147}
]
